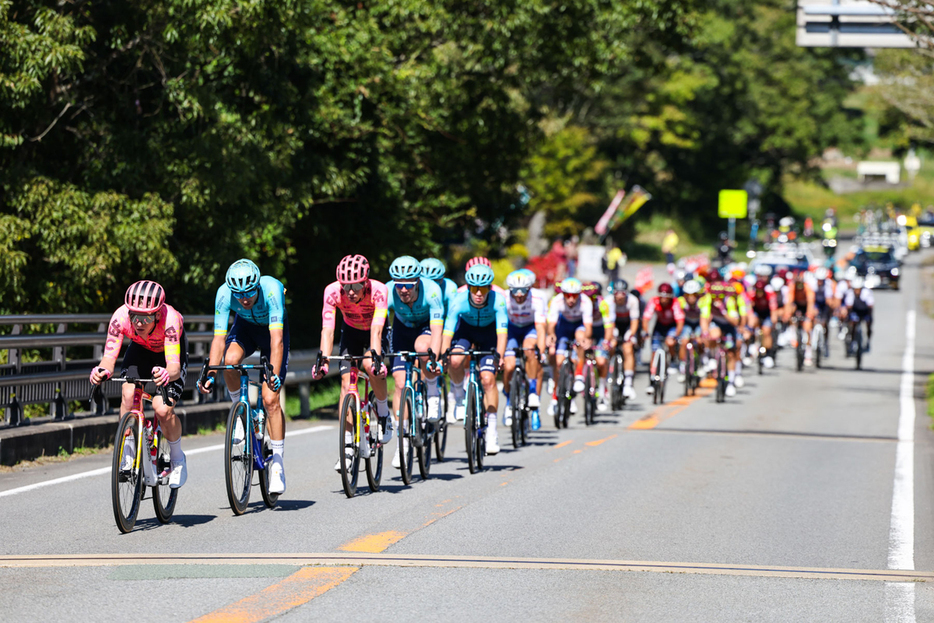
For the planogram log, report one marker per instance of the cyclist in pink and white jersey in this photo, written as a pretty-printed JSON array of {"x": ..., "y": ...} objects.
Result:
[
  {"x": 158, "y": 348},
  {"x": 363, "y": 303}
]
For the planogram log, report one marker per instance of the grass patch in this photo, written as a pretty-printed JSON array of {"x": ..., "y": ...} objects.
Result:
[
  {"x": 647, "y": 244},
  {"x": 209, "y": 430}
]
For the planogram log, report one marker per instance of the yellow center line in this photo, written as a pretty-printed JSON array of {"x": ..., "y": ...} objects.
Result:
[
  {"x": 373, "y": 543},
  {"x": 295, "y": 590},
  {"x": 671, "y": 409},
  {"x": 562, "y": 444},
  {"x": 599, "y": 441}
]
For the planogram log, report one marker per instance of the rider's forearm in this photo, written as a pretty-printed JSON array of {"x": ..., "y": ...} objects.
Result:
[
  {"x": 327, "y": 341},
  {"x": 174, "y": 370},
  {"x": 276, "y": 350},
  {"x": 376, "y": 339},
  {"x": 437, "y": 333},
  {"x": 217, "y": 350},
  {"x": 541, "y": 333},
  {"x": 501, "y": 339},
  {"x": 446, "y": 342},
  {"x": 109, "y": 363}
]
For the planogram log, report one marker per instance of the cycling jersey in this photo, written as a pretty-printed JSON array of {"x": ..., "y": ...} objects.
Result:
[
  {"x": 624, "y": 314},
  {"x": 493, "y": 312},
  {"x": 449, "y": 291},
  {"x": 667, "y": 316},
  {"x": 530, "y": 311},
  {"x": 269, "y": 308},
  {"x": 691, "y": 312},
  {"x": 602, "y": 314},
  {"x": 165, "y": 335},
  {"x": 428, "y": 308},
  {"x": 721, "y": 308},
  {"x": 581, "y": 313},
  {"x": 865, "y": 301},
  {"x": 764, "y": 301},
  {"x": 370, "y": 311}
]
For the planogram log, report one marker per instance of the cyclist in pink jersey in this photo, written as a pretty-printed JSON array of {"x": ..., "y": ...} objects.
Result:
[
  {"x": 363, "y": 304},
  {"x": 159, "y": 349}
]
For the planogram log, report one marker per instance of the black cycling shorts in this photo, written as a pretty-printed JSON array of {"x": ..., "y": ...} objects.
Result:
[{"x": 139, "y": 361}]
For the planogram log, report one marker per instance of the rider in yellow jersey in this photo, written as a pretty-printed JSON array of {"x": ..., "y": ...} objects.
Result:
[{"x": 602, "y": 335}]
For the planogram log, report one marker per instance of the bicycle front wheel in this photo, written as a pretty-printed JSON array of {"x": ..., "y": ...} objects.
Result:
[
  {"x": 349, "y": 467},
  {"x": 126, "y": 483},
  {"x": 423, "y": 432},
  {"x": 374, "y": 464},
  {"x": 269, "y": 499},
  {"x": 238, "y": 458},
  {"x": 588, "y": 402},
  {"x": 406, "y": 440},
  {"x": 470, "y": 432},
  {"x": 515, "y": 397},
  {"x": 163, "y": 496}
]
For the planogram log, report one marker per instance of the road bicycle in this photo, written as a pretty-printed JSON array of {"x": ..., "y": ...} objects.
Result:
[
  {"x": 441, "y": 428},
  {"x": 565, "y": 393},
  {"x": 796, "y": 322},
  {"x": 521, "y": 427},
  {"x": 357, "y": 421},
  {"x": 658, "y": 374},
  {"x": 475, "y": 420},
  {"x": 691, "y": 360},
  {"x": 855, "y": 341},
  {"x": 616, "y": 378},
  {"x": 416, "y": 433},
  {"x": 721, "y": 371},
  {"x": 819, "y": 342},
  {"x": 246, "y": 441},
  {"x": 589, "y": 372},
  {"x": 141, "y": 459}
]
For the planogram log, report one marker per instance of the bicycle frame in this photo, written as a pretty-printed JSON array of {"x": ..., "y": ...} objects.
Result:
[
  {"x": 254, "y": 448},
  {"x": 413, "y": 382}
]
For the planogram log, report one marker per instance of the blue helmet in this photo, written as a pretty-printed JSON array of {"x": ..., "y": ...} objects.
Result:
[
  {"x": 479, "y": 275},
  {"x": 242, "y": 276},
  {"x": 405, "y": 267},
  {"x": 432, "y": 269}
]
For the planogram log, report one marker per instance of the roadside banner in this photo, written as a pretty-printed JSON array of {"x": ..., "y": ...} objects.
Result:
[
  {"x": 601, "y": 226},
  {"x": 630, "y": 203},
  {"x": 645, "y": 279}
]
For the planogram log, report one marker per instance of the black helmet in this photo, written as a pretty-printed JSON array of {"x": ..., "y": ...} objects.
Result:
[{"x": 620, "y": 285}]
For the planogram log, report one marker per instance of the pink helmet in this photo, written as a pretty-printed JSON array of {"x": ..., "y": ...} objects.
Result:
[
  {"x": 144, "y": 297},
  {"x": 353, "y": 269},
  {"x": 477, "y": 260}
]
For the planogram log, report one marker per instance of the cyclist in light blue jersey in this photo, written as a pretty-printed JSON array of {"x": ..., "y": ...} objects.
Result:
[
  {"x": 477, "y": 317},
  {"x": 260, "y": 324},
  {"x": 434, "y": 270},
  {"x": 418, "y": 319}
]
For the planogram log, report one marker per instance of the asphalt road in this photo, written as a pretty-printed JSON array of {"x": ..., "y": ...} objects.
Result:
[{"x": 796, "y": 500}]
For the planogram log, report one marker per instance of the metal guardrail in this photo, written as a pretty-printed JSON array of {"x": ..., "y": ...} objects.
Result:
[{"x": 61, "y": 380}]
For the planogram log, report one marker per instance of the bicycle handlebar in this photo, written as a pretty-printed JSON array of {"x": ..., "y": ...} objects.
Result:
[
  {"x": 264, "y": 367},
  {"x": 135, "y": 381}
]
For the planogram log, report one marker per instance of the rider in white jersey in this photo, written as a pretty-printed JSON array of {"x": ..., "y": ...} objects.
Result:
[
  {"x": 525, "y": 310},
  {"x": 569, "y": 319}
]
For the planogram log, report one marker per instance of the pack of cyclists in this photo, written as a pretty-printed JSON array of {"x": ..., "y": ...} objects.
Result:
[{"x": 745, "y": 315}]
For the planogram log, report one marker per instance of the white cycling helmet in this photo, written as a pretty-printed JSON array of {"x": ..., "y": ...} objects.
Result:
[
  {"x": 777, "y": 283},
  {"x": 763, "y": 270},
  {"x": 857, "y": 282},
  {"x": 571, "y": 286},
  {"x": 691, "y": 287},
  {"x": 821, "y": 273},
  {"x": 520, "y": 279}
]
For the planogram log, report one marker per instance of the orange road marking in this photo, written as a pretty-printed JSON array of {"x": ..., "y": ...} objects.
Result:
[
  {"x": 437, "y": 516},
  {"x": 578, "y": 451},
  {"x": 649, "y": 421},
  {"x": 562, "y": 444},
  {"x": 599, "y": 441},
  {"x": 373, "y": 543},
  {"x": 295, "y": 590},
  {"x": 708, "y": 383}
]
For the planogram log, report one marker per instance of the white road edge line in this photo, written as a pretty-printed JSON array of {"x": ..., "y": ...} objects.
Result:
[
  {"x": 106, "y": 470},
  {"x": 900, "y": 597}
]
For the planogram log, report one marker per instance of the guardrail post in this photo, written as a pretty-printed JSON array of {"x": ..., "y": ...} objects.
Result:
[
  {"x": 99, "y": 348},
  {"x": 58, "y": 356},
  {"x": 304, "y": 396},
  {"x": 16, "y": 412},
  {"x": 60, "y": 407}
]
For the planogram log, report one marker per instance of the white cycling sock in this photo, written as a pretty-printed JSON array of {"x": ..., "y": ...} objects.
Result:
[
  {"x": 278, "y": 448},
  {"x": 234, "y": 396},
  {"x": 602, "y": 387},
  {"x": 491, "y": 422},
  {"x": 175, "y": 450},
  {"x": 459, "y": 392},
  {"x": 432, "y": 386},
  {"x": 348, "y": 438},
  {"x": 627, "y": 376},
  {"x": 382, "y": 408},
  {"x": 739, "y": 368}
]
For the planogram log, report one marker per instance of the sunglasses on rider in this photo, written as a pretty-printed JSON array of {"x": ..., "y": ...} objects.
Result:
[
  {"x": 519, "y": 291},
  {"x": 245, "y": 296},
  {"x": 143, "y": 318},
  {"x": 356, "y": 287},
  {"x": 479, "y": 289},
  {"x": 405, "y": 285}
]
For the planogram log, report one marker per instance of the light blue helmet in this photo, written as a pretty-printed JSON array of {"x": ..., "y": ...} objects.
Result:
[
  {"x": 520, "y": 279},
  {"x": 242, "y": 276},
  {"x": 432, "y": 269},
  {"x": 479, "y": 275},
  {"x": 405, "y": 267}
]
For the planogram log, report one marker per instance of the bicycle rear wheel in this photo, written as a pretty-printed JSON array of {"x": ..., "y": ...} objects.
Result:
[
  {"x": 406, "y": 425},
  {"x": 238, "y": 459},
  {"x": 588, "y": 403},
  {"x": 269, "y": 499},
  {"x": 349, "y": 469},
  {"x": 858, "y": 346},
  {"x": 559, "y": 395},
  {"x": 617, "y": 399},
  {"x": 470, "y": 432},
  {"x": 515, "y": 397},
  {"x": 818, "y": 344},
  {"x": 423, "y": 431},
  {"x": 374, "y": 464},
  {"x": 799, "y": 351},
  {"x": 163, "y": 496},
  {"x": 126, "y": 485}
]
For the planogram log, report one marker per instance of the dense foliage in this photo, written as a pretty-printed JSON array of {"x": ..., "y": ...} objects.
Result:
[{"x": 166, "y": 139}]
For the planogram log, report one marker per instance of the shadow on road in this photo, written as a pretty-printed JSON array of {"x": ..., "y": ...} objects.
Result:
[{"x": 185, "y": 521}]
